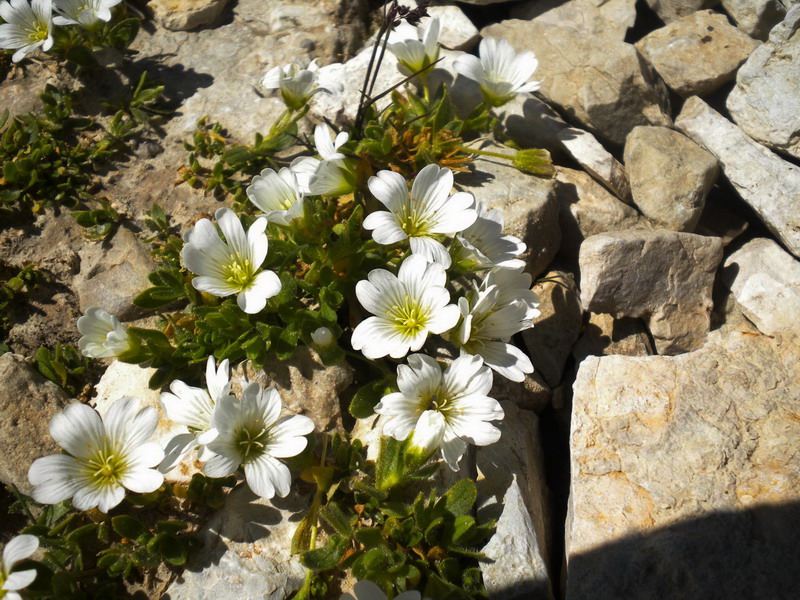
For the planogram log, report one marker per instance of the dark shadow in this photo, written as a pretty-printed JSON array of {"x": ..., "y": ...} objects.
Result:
[
  {"x": 180, "y": 83},
  {"x": 750, "y": 554},
  {"x": 646, "y": 22}
]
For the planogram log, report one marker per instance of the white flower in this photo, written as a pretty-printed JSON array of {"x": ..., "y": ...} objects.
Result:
[
  {"x": 297, "y": 85},
  {"x": 252, "y": 433},
  {"x": 231, "y": 267},
  {"x": 485, "y": 244},
  {"x": 18, "y": 548},
  {"x": 83, "y": 12},
  {"x": 26, "y": 27},
  {"x": 500, "y": 71},
  {"x": 322, "y": 336},
  {"x": 194, "y": 408},
  {"x": 429, "y": 210},
  {"x": 443, "y": 410},
  {"x": 415, "y": 47},
  {"x": 366, "y": 590},
  {"x": 406, "y": 308},
  {"x": 490, "y": 316},
  {"x": 332, "y": 175},
  {"x": 277, "y": 194},
  {"x": 105, "y": 456},
  {"x": 103, "y": 336}
]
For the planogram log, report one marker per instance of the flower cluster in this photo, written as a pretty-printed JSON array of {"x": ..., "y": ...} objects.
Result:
[{"x": 29, "y": 26}]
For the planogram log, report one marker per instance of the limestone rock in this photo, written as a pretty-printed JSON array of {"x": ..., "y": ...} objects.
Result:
[
  {"x": 766, "y": 283},
  {"x": 557, "y": 328},
  {"x": 588, "y": 209},
  {"x": 755, "y": 17},
  {"x": 610, "y": 18},
  {"x": 458, "y": 32},
  {"x": 664, "y": 277},
  {"x": 598, "y": 162},
  {"x": 27, "y": 404},
  {"x": 531, "y": 123},
  {"x": 604, "y": 335},
  {"x": 670, "y": 10},
  {"x": 697, "y": 53},
  {"x": 528, "y": 204},
  {"x": 684, "y": 470},
  {"x": 123, "y": 379},
  {"x": 113, "y": 273},
  {"x": 246, "y": 551},
  {"x": 532, "y": 393},
  {"x": 512, "y": 489},
  {"x": 765, "y": 102},
  {"x": 596, "y": 80},
  {"x": 670, "y": 176},
  {"x": 182, "y": 15},
  {"x": 768, "y": 184},
  {"x": 306, "y": 385}
]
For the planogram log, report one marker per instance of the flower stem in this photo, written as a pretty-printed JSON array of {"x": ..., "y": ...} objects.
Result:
[{"x": 487, "y": 153}]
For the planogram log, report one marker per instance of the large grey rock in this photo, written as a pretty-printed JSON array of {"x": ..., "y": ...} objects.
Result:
[
  {"x": 113, "y": 273},
  {"x": 306, "y": 385},
  {"x": 765, "y": 102},
  {"x": 768, "y": 184},
  {"x": 685, "y": 478},
  {"x": 557, "y": 328},
  {"x": 664, "y": 277},
  {"x": 457, "y": 30},
  {"x": 596, "y": 160},
  {"x": 766, "y": 283},
  {"x": 587, "y": 209},
  {"x": 182, "y": 15},
  {"x": 670, "y": 10},
  {"x": 598, "y": 81},
  {"x": 610, "y": 18},
  {"x": 755, "y": 17},
  {"x": 532, "y": 393},
  {"x": 27, "y": 404},
  {"x": 531, "y": 123},
  {"x": 246, "y": 551},
  {"x": 512, "y": 489},
  {"x": 528, "y": 204},
  {"x": 605, "y": 335},
  {"x": 697, "y": 53},
  {"x": 670, "y": 176}
]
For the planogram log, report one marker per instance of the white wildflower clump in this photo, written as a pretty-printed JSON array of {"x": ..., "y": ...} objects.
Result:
[
  {"x": 427, "y": 212},
  {"x": 278, "y": 195},
  {"x": 415, "y": 47},
  {"x": 440, "y": 409},
  {"x": 406, "y": 308},
  {"x": 296, "y": 84},
  {"x": 366, "y": 590},
  {"x": 251, "y": 432},
  {"x": 331, "y": 174},
  {"x": 231, "y": 267},
  {"x": 27, "y": 26},
  {"x": 500, "y": 71},
  {"x": 83, "y": 12},
  {"x": 194, "y": 407},
  {"x": 18, "y": 548},
  {"x": 105, "y": 456},
  {"x": 490, "y": 314},
  {"x": 102, "y": 335},
  {"x": 485, "y": 244}
]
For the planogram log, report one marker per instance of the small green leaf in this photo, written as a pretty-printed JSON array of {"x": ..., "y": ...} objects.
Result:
[
  {"x": 460, "y": 498},
  {"x": 535, "y": 162},
  {"x": 127, "y": 527},
  {"x": 362, "y": 406}
]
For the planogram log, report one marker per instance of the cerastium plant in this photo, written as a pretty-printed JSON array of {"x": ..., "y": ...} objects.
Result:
[{"x": 358, "y": 247}]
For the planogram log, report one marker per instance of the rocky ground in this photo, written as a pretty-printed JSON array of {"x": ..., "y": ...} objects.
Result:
[{"x": 654, "y": 452}]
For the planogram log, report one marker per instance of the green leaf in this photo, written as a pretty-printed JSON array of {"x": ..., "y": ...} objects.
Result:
[
  {"x": 156, "y": 297},
  {"x": 123, "y": 33},
  {"x": 460, "y": 498},
  {"x": 172, "y": 527},
  {"x": 127, "y": 527},
  {"x": 366, "y": 397},
  {"x": 535, "y": 161},
  {"x": 169, "y": 547},
  {"x": 333, "y": 515},
  {"x": 322, "y": 559},
  {"x": 444, "y": 113}
]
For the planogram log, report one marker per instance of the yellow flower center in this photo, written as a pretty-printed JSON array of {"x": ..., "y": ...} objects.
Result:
[
  {"x": 412, "y": 221},
  {"x": 251, "y": 442},
  {"x": 409, "y": 319},
  {"x": 239, "y": 273},
  {"x": 39, "y": 33},
  {"x": 106, "y": 467}
]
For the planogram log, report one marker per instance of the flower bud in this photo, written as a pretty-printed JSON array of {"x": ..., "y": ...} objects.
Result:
[{"x": 322, "y": 336}]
